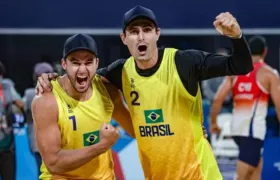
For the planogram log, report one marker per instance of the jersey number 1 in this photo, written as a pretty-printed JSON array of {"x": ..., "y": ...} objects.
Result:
[{"x": 73, "y": 118}]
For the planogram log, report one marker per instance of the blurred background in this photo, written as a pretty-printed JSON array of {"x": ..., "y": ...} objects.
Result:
[{"x": 33, "y": 32}]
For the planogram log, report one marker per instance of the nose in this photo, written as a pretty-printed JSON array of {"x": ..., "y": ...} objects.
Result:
[
  {"x": 140, "y": 36},
  {"x": 82, "y": 68}
]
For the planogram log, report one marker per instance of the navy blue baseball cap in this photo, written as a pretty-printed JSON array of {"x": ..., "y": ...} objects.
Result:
[
  {"x": 138, "y": 12},
  {"x": 79, "y": 42}
]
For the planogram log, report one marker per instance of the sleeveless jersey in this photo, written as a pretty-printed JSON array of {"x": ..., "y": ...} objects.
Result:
[
  {"x": 250, "y": 105},
  {"x": 79, "y": 123},
  {"x": 167, "y": 122}
]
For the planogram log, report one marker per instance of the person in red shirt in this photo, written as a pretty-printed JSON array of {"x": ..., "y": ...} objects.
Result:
[{"x": 250, "y": 97}]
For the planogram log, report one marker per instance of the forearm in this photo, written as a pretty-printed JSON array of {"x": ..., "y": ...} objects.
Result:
[
  {"x": 241, "y": 59},
  {"x": 215, "y": 110},
  {"x": 68, "y": 160},
  {"x": 215, "y": 65}
]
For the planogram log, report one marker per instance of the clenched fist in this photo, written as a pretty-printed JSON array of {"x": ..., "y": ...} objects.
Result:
[
  {"x": 108, "y": 135},
  {"x": 227, "y": 25}
]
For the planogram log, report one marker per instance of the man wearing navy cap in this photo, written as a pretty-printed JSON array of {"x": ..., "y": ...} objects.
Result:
[
  {"x": 72, "y": 127},
  {"x": 161, "y": 87}
]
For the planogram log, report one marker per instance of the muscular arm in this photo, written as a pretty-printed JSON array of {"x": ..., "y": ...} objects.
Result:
[
  {"x": 274, "y": 90},
  {"x": 222, "y": 93},
  {"x": 48, "y": 136},
  {"x": 121, "y": 113}
]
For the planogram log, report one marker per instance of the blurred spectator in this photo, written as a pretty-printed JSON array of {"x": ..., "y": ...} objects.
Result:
[
  {"x": 210, "y": 86},
  {"x": 9, "y": 100},
  {"x": 29, "y": 94}
]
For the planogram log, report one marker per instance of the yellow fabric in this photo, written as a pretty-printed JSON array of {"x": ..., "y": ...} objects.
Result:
[
  {"x": 167, "y": 122},
  {"x": 79, "y": 123}
]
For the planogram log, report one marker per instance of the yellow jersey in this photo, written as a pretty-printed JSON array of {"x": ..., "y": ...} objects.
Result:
[
  {"x": 168, "y": 124},
  {"x": 79, "y": 123}
]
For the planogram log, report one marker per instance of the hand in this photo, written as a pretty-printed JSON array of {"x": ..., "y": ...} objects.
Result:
[
  {"x": 227, "y": 25},
  {"x": 214, "y": 128},
  {"x": 43, "y": 82},
  {"x": 108, "y": 135}
]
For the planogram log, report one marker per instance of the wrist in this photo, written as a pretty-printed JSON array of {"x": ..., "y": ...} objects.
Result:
[
  {"x": 239, "y": 36},
  {"x": 104, "y": 145}
]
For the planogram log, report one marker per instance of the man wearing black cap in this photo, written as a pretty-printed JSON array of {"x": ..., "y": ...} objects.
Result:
[
  {"x": 250, "y": 95},
  {"x": 72, "y": 126},
  {"x": 161, "y": 87}
]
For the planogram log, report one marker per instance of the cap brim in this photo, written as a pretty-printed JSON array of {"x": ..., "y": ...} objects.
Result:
[
  {"x": 77, "y": 49},
  {"x": 137, "y": 17}
]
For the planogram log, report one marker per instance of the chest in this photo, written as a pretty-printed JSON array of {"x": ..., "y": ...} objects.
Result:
[{"x": 80, "y": 124}]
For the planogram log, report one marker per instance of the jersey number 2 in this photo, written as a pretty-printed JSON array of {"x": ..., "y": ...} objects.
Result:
[
  {"x": 73, "y": 118},
  {"x": 135, "y": 96}
]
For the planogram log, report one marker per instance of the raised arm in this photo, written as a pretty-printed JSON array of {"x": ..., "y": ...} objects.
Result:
[
  {"x": 201, "y": 65},
  {"x": 222, "y": 93},
  {"x": 48, "y": 137},
  {"x": 121, "y": 113}
]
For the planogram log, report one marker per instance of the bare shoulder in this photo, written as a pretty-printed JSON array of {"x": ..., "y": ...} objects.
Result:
[
  {"x": 268, "y": 72},
  {"x": 46, "y": 100},
  {"x": 44, "y": 105}
]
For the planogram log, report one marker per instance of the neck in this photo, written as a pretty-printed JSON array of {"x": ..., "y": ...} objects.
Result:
[
  {"x": 149, "y": 63},
  {"x": 257, "y": 59},
  {"x": 71, "y": 91}
]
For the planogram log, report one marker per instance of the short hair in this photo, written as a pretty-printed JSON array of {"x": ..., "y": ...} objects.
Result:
[
  {"x": 257, "y": 45},
  {"x": 2, "y": 69}
]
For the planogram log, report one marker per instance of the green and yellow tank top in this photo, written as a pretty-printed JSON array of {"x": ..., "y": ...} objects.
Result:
[
  {"x": 168, "y": 124},
  {"x": 79, "y": 123}
]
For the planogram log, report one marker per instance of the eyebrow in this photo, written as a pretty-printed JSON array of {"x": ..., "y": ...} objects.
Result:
[
  {"x": 89, "y": 59},
  {"x": 72, "y": 59}
]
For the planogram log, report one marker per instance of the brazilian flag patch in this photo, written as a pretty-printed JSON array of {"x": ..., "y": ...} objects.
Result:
[
  {"x": 91, "y": 138},
  {"x": 153, "y": 116}
]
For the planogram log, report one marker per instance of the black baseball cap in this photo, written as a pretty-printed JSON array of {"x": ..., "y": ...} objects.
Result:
[
  {"x": 79, "y": 42},
  {"x": 138, "y": 12}
]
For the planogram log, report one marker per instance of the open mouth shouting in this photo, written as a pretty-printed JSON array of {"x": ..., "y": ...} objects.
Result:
[
  {"x": 142, "y": 49},
  {"x": 82, "y": 81}
]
